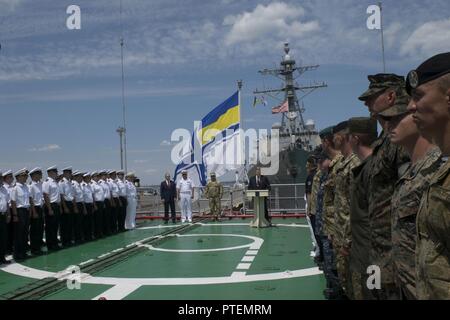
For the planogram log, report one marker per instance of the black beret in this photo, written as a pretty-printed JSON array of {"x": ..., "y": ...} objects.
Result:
[
  {"x": 433, "y": 68},
  {"x": 340, "y": 127}
]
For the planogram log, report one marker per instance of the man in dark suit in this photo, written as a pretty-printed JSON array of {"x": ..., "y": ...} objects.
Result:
[
  {"x": 168, "y": 193},
  {"x": 259, "y": 182}
]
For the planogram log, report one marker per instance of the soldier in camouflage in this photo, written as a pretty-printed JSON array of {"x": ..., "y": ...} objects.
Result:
[
  {"x": 388, "y": 165},
  {"x": 342, "y": 236},
  {"x": 328, "y": 213},
  {"x": 214, "y": 192},
  {"x": 408, "y": 193},
  {"x": 429, "y": 87},
  {"x": 362, "y": 133}
]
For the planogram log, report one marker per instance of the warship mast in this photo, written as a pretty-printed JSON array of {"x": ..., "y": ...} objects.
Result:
[{"x": 293, "y": 125}]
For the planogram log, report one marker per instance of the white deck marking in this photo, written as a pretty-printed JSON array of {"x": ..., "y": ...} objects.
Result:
[
  {"x": 118, "y": 292},
  {"x": 125, "y": 286},
  {"x": 248, "y": 259},
  {"x": 243, "y": 266},
  {"x": 257, "y": 242},
  {"x": 86, "y": 262}
]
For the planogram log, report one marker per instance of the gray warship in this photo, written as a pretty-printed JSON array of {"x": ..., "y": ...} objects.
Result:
[{"x": 298, "y": 138}]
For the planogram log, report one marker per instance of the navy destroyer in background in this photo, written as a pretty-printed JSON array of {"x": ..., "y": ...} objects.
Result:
[{"x": 298, "y": 138}]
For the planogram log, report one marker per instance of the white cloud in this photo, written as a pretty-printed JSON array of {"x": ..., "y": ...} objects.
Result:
[
  {"x": 427, "y": 40},
  {"x": 276, "y": 19},
  {"x": 166, "y": 143},
  {"x": 47, "y": 148},
  {"x": 150, "y": 171}
]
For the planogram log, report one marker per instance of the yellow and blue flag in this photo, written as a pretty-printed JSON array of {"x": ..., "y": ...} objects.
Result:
[{"x": 224, "y": 117}]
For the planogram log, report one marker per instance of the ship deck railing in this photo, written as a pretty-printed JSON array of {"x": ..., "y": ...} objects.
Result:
[{"x": 285, "y": 200}]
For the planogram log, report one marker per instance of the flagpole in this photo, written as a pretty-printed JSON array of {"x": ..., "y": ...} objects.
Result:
[{"x": 242, "y": 147}]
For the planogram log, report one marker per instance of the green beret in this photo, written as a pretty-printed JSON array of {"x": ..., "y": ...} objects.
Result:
[
  {"x": 380, "y": 82},
  {"x": 362, "y": 125},
  {"x": 430, "y": 70},
  {"x": 325, "y": 133},
  {"x": 400, "y": 107}
]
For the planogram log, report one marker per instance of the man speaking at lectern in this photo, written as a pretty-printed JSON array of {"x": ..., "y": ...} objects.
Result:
[{"x": 260, "y": 182}]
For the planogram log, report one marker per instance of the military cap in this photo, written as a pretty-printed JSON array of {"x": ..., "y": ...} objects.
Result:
[
  {"x": 213, "y": 174},
  {"x": 52, "y": 168},
  {"x": 35, "y": 170},
  {"x": 21, "y": 172},
  {"x": 94, "y": 173},
  {"x": 340, "y": 127},
  {"x": 362, "y": 125},
  {"x": 184, "y": 172},
  {"x": 87, "y": 174},
  {"x": 325, "y": 133},
  {"x": 323, "y": 156},
  {"x": 111, "y": 171},
  {"x": 67, "y": 169},
  {"x": 77, "y": 173},
  {"x": 130, "y": 174},
  {"x": 400, "y": 107},
  {"x": 120, "y": 172},
  {"x": 433, "y": 68},
  {"x": 7, "y": 173},
  {"x": 380, "y": 82}
]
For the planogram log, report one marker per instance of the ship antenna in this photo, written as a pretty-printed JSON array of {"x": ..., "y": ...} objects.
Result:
[{"x": 123, "y": 92}]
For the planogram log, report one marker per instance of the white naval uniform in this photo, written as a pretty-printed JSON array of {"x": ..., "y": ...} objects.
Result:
[
  {"x": 98, "y": 192},
  {"x": 52, "y": 189},
  {"x": 4, "y": 200},
  {"x": 130, "y": 220},
  {"x": 21, "y": 196},
  {"x": 88, "y": 193},
  {"x": 186, "y": 187},
  {"x": 36, "y": 193},
  {"x": 67, "y": 190}
]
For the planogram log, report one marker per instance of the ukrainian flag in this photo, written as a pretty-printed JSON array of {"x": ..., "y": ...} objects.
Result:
[{"x": 225, "y": 116}]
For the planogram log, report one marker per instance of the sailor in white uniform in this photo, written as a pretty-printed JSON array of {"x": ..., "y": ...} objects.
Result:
[
  {"x": 99, "y": 202},
  {"x": 88, "y": 196},
  {"x": 36, "y": 211},
  {"x": 52, "y": 208},
  {"x": 69, "y": 207},
  {"x": 106, "y": 218},
  {"x": 123, "y": 200},
  {"x": 81, "y": 209},
  {"x": 20, "y": 206},
  {"x": 185, "y": 192},
  {"x": 115, "y": 200},
  {"x": 5, "y": 216},
  {"x": 8, "y": 183},
  {"x": 130, "y": 221}
]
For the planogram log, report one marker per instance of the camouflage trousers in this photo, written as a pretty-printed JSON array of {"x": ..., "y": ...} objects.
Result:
[
  {"x": 343, "y": 271},
  {"x": 329, "y": 265},
  {"x": 214, "y": 206}
]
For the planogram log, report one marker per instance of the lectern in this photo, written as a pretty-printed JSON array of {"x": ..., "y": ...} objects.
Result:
[{"x": 259, "y": 197}]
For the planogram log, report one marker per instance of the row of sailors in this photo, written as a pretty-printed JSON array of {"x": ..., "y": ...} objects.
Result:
[{"x": 78, "y": 206}]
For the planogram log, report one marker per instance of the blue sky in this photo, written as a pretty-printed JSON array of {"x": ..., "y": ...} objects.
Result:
[{"x": 60, "y": 90}]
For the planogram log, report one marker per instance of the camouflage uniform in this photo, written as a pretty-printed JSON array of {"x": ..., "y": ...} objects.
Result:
[
  {"x": 314, "y": 189},
  {"x": 405, "y": 204},
  {"x": 359, "y": 229},
  {"x": 328, "y": 199},
  {"x": 433, "y": 238},
  {"x": 214, "y": 192},
  {"x": 388, "y": 163},
  {"x": 342, "y": 217}
]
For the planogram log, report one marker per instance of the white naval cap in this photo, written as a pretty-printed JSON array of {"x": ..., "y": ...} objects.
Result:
[
  {"x": 120, "y": 172},
  {"x": 7, "y": 173},
  {"x": 52, "y": 168},
  {"x": 37, "y": 169},
  {"x": 184, "y": 172},
  {"x": 76, "y": 173},
  {"x": 67, "y": 169},
  {"x": 21, "y": 172},
  {"x": 94, "y": 173},
  {"x": 130, "y": 174},
  {"x": 88, "y": 174}
]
